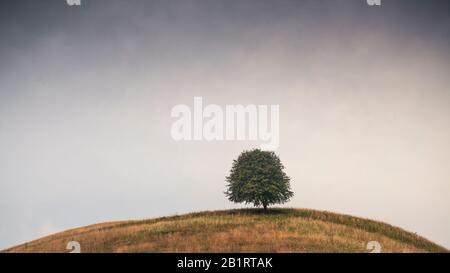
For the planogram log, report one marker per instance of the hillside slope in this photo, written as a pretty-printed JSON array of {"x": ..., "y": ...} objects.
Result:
[{"x": 245, "y": 230}]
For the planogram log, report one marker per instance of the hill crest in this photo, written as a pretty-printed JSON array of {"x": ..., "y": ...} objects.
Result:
[{"x": 240, "y": 230}]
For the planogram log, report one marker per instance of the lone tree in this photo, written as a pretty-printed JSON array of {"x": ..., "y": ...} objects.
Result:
[{"x": 257, "y": 177}]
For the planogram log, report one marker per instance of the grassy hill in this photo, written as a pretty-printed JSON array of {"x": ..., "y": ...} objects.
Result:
[{"x": 245, "y": 230}]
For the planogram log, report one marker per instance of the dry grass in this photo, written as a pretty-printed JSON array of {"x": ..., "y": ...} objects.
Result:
[{"x": 280, "y": 230}]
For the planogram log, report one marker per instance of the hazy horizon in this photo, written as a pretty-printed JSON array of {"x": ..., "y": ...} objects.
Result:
[{"x": 86, "y": 95}]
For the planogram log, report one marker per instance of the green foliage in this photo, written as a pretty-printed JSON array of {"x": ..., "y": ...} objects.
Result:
[{"x": 257, "y": 177}]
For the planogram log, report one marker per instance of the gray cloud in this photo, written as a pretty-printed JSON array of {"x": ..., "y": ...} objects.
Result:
[{"x": 86, "y": 94}]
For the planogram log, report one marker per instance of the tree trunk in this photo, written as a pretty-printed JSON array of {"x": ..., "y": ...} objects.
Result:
[{"x": 265, "y": 207}]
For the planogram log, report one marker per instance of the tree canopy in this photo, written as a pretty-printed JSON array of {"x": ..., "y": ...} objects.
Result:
[{"x": 258, "y": 177}]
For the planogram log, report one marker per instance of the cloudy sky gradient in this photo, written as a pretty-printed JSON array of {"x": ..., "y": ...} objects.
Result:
[{"x": 86, "y": 94}]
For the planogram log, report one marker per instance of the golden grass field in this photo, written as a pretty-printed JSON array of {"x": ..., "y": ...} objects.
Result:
[{"x": 244, "y": 230}]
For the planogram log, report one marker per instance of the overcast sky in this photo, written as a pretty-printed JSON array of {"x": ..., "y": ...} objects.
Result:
[{"x": 86, "y": 95}]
